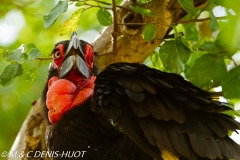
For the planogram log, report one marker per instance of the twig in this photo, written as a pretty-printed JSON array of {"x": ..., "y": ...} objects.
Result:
[
  {"x": 198, "y": 20},
  {"x": 108, "y": 8},
  {"x": 115, "y": 25},
  {"x": 43, "y": 59},
  {"x": 39, "y": 64},
  {"x": 234, "y": 62},
  {"x": 116, "y": 5},
  {"x": 179, "y": 22},
  {"x": 140, "y": 24}
]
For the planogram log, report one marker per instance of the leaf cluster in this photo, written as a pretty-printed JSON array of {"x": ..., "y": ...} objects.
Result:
[{"x": 16, "y": 58}]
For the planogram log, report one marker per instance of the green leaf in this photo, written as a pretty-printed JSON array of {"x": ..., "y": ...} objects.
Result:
[
  {"x": 207, "y": 44},
  {"x": 191, "y": 30},
  {"x": 209, "y": 5},
  {"x": 149, "y": 32},
  {"x": 156, "y": 61},
  {"x": 231, "y": 83},
  {"x": 186, "y": 42},
  {"x": 32, "y": 75},
  {"x": 143, "y": 1},
  {"x": 71, "y": 24},
  {"x": 31, "y": 51},
  {"x": 188, "y": 6},
  {"x": 34, "y": 53},
  {"x": 142, "y": 11},
  {"x": 18, "y": 56},
  {"x": 191, "y": 61},
  {"x": 118, "y": 2},
  {"x": 207, "y": 71},
  {"x": 104, "y": 17},
  {"x": 9, "y": 73},
  {"x": 22, "y": 53},
  {"x": 174, "y": 55},
  {"x": 213, "y": 23},
  {"x": 78, "y": 4},
  {"x": 52, "y": 16}
]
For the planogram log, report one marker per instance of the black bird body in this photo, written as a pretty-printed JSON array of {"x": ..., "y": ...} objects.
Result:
[
  {"x": 80, "y": 129},
  {"x": 156, "y": 115},
  {"x": 159, "y": 110}
]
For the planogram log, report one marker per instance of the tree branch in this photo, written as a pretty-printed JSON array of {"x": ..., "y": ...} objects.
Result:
[
  {"x": 115, "y": 26},
  {"x": 199, "y": 20}
]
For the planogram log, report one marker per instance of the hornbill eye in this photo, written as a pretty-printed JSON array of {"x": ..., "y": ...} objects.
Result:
[{"x": 57, "y": 54}]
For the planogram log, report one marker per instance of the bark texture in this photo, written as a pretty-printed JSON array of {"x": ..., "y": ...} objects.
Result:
[{"x": 130, "y": 48}]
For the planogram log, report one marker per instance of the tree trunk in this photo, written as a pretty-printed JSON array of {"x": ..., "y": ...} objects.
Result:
[{"x": 130, "y": 48}]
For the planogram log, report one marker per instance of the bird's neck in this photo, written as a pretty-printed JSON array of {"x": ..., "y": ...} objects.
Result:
[
  {"x": 63, "y": 95},
  {"x": 81, "y": 129}
]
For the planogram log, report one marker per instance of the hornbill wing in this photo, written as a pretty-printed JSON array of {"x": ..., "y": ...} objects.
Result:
[{"x": 163, "y": 112}]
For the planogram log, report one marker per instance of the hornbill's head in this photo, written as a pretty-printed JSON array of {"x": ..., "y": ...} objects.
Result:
[
  {"x": 74, "y": 55},
  {"x": 73, "y": 79}
]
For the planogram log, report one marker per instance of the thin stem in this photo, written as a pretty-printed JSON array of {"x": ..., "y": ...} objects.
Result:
[
  {"x": 116, "y": 5},
  {"x": 43, "y": 59},
  {"x": 39, "y": 64},
  {"x": 140, "y": 24},
  {"x": 198, "y": 20},
  {"x": 234, "y": 62},
  {"x": 109, "y": 8},
  {"x": 180, "y": 22},
  {"x": 115, "y": 25},
  {"x": 105, "y": 4}
]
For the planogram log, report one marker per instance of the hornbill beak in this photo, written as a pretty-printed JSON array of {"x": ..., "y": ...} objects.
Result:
[{"x": 74, "y": 58}]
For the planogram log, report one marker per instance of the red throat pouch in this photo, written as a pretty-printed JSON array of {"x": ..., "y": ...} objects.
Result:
[{"x": 63, "y": 95}]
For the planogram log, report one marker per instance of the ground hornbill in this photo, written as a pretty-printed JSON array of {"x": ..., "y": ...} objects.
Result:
[{"x": 130, "y": 111}]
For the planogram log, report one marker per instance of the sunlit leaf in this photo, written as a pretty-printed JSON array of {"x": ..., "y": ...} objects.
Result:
[
  {"x": 71, "y": 24},
  {"x": 9, "y": 73},
  {"x": 149, "y": 32},
  {"x": 156, "y": 61},
  {"x": 186, "y": 42},
  {"x": 104, "y": 17},
  {"x": 213, "y": 23},
  {"x": 17, "y": 56},
  {"x": 188, "y": 6},
  {"x": 231, "y": 83},
  {"x": 142, "y": 11},
  {"x": 207, "y": 71},
  {"x": 143, "y": 1},
  {"x": 52, "y": 16},
  {"x": 155, "y": 58},
  {"x": 22, "y": 53},
  {"x": 32, "y": 75},
  {"x": 78, "y": 4},
  {"x": 174, "y": 55}
]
